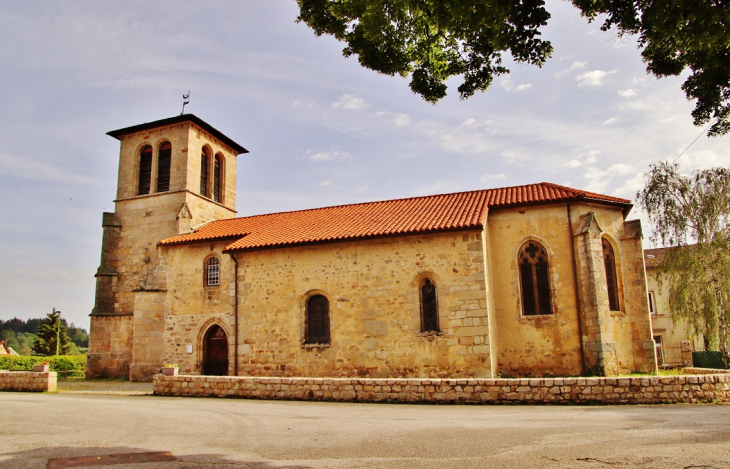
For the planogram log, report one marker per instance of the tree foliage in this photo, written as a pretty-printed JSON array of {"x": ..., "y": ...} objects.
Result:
[
  {"x": 433, "y": 40},
  {"x": 51, "y": 336},
  {"x": 691, "y": 215},
  {"x": 675, "y": 35},
  {"x": 20, "y": 335}
]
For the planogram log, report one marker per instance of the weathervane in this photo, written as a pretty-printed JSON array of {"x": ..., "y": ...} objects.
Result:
[{"x": 186, "y": 100}]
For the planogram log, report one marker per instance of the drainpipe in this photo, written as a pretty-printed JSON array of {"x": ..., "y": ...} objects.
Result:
[
  {"x": 577, "y": 295},
  {"x": 235, "y": 314}
]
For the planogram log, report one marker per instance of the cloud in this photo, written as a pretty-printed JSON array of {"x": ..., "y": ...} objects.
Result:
[
  {"x": 610, "y": 121},
  {"x": 583, "y": 159},
  {"x": 324, "y": 183},
  {"x": 509, "y": 86},
  {"x": 629, "y": 93},
  {"x": 397, "y": 118},
  {"x": 350, "y": 102},
  {"x": 301, "y": 102},
  {"x": 492, "y": 177},
  {"x": 575, "y": 66},
  {"x": 332, "y": 155},
  {"x": 594, "y": 78}
]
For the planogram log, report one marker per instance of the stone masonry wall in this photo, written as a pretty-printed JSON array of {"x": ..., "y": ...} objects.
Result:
[
  {"x": 644, "y": 390},
  {"x": 28, "y": 381}
]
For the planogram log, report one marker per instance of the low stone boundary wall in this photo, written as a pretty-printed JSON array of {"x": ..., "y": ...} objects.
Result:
[
  {"x": 646, "y": 390},
  {"x": 28, "y": 381}
]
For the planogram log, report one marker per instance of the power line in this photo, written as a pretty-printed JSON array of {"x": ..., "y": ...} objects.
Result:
[{"x": 693, "y": 142}]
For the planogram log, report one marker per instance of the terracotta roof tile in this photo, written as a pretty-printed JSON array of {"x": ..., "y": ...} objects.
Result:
[{"x": 390, "y": 217}]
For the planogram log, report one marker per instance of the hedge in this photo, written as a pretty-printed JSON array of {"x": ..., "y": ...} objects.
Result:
[{"x": 69, "y": 366}]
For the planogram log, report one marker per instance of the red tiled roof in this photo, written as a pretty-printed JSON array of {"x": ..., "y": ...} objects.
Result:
[{"x": 390, "y": 217}]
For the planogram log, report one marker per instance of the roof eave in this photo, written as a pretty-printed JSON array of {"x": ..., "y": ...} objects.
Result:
[{"x": 176, "y": 120}]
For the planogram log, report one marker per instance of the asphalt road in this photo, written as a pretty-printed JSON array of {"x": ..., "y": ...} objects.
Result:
[{"x": 215, "y": 433}]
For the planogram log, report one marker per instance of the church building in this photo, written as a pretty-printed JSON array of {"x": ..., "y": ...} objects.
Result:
[{"x": 533, "y": 280}]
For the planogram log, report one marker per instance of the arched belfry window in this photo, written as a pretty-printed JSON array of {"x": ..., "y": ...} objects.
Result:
[
  {"x": 212, "y": 272},
  {"x": 218, "y": 178},
  {"x": 204, "y": 162},
  {"x": 609, "y": 261},
  {"x": 317, "y": 327},
  {"x": 429, "y": 307},
  {"x": 164, "y": 159},
  {"x": 534, "y": 279},
  {"x": 145, "y": 170}
]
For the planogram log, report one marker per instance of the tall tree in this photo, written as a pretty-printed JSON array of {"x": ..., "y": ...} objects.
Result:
[
  {"x": 692, "y": 215},
  {"x": 51, "y": 336},
  {"x": 433, "y": 40}
]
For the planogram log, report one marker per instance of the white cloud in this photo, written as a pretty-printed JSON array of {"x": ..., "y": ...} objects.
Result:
[
  {"x": 610, "y": 121},
  {"x": 350, "y": 102},
  {"x": 397, "y": 118},
  {"x": 628, "y": 93},
  {"x": 575, "y": 66},
  {"x": 594, "y": 78},
  {"x": 492, "y": 177},
  {"x": 469, "y": 123},
  {"x": 573, "y": 164},
  {"x": 524, "y": 87},
  {"x": 332, "y": 155},
  {"x": 324, "y": 183},
  {"x": 506, "y": 84},
  {"x": 301, "y": 102}
]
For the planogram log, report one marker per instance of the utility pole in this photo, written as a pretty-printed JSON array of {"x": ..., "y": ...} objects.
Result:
[{"x": 58, "y": 330}]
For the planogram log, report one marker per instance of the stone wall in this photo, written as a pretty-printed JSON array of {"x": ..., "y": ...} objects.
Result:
[
  {"x": 639, "y": 390},
  {"x": 27, "y": 381}
]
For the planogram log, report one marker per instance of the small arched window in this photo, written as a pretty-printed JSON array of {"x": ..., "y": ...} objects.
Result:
[
  {"x": 164, "y": 159},
  {"x": 145, "y": 170},
  {"x": 317, "y": 326},
  {"x": 204, "y": 162},
  {"x": 218, "y": 178},
  {"x": 534, "y": 279},
  {"x": 212, "y": 272},
  {"x": 429, "y": 307},
  {"x": 609, "y": 261}
]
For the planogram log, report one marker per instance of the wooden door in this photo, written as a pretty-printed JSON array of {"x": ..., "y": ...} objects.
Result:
[{"x": 215, "y": 352}]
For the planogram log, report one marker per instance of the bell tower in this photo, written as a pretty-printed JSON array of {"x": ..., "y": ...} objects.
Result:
[{"x": 175, "y": 174}]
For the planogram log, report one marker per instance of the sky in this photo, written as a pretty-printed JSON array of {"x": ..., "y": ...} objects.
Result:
[{"x": 321, "y": 130}]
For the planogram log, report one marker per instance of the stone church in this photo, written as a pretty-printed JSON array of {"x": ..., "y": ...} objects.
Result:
[{"x": 534, "y": 280}]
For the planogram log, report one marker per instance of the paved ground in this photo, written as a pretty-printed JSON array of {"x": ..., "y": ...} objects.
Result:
[{"x": 216, "y": 433}]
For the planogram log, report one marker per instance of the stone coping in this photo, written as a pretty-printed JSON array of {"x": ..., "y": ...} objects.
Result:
[{"x": 620, "y": 390}]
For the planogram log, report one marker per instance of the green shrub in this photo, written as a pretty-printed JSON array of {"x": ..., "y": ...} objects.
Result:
[{"x": 69, "y": 366}]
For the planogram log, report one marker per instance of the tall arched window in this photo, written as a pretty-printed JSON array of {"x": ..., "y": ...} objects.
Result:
[
  {"x": 218, "y": 178},
  {"x": 609, "y": 261},
  {"x": 164, "y": 159},
  {"x": 317, "y": 327},
  {"x": 145, "y": 170},
  {"x": 429, "y": 307},
  {"x": 204, "y": 161},
  {"x": 534, "y": 279},
  {"x": 212, "y": 272}
]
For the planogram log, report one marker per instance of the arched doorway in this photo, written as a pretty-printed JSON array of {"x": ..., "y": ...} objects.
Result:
[{"x": 215, "y": 352}]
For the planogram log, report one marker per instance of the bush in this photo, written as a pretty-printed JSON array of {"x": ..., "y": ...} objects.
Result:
[
  {"x": 69, "y": 366},
  {"x": 708, "y": 359}
]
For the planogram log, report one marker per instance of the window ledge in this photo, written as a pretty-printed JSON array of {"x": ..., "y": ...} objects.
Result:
[{"x": 315, "y": 346}]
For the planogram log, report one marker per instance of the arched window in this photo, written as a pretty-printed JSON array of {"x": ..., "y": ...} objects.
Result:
[
  {"x": 218, "y": 178},
  {"x": 318, "y": 321},
  {"x": 429, "y": 307},
  {"x": 164, "y": 158},
  {"x": 145, "y": 170},
  {"x": 534, "y": 279},
  {"x": 204, "y": 161},
  {"x": 212, "y": 272},
  {"x": 609, "y": 261}
]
